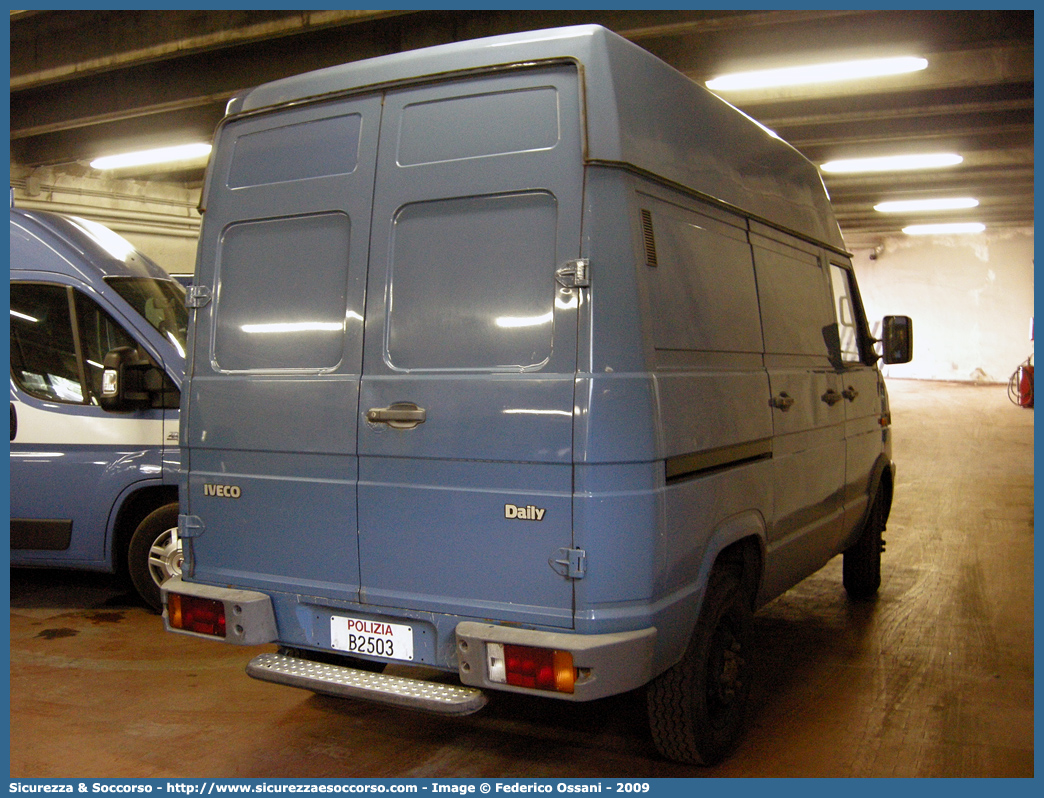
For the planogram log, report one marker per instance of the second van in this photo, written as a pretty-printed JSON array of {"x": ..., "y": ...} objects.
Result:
[{"x": 97, "y": 357}]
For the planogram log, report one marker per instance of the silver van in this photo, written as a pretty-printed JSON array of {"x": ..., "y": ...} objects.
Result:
[{"x": 528, "y": 360}]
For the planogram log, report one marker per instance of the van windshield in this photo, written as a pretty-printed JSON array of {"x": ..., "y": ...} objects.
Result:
[{"x": 160, "y": 302}]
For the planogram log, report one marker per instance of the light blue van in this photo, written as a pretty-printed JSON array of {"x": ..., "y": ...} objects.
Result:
[
  {"x": 528, "y": 360},
  {"x": 97, "y": 359}
]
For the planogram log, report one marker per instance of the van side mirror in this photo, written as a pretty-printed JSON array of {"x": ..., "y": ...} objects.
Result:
[
  {"x": 127, "y": 380},
  {"x": 897, "y": 340}
]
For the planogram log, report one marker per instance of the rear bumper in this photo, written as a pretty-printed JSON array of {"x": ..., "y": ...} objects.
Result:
[
  {"x": 605, "y": 664},
  {"x": 249, "y": 616}
]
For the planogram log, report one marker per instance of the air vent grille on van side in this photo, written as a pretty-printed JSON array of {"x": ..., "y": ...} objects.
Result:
[{"x": 650, "y": 241}]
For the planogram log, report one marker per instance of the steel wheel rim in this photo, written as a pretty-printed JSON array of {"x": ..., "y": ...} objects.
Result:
[{"x": 165, "y": 556}]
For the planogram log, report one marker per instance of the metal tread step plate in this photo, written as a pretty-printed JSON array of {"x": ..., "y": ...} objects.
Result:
[{"x": 338, "y": 680}]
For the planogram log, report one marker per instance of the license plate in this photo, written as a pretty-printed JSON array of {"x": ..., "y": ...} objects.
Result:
[{"x": 373, "y": 638}]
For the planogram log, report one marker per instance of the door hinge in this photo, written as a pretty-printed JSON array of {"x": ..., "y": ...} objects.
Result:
[
  {"x": 197, "y": 296},
  {"x": 571, "y": 563},
  {"x": 575, "y": 274}
]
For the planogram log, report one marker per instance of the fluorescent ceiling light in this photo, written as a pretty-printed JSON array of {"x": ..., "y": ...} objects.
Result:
[
  {"x": 184, "y": 152},
  {"x": 904, "y": 206},
  {"x": 892, "y": 163},
  {"x": 943, "y": 229},
  {"x": 816, "y": 73}
]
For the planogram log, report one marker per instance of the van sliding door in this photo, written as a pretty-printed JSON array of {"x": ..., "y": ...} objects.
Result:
[
  {"x": 808, "y": 418},
  {"x": 466, "y": 408}
]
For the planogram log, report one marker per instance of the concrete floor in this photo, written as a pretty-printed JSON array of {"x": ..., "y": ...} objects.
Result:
[{"x": 935, "y": 678}]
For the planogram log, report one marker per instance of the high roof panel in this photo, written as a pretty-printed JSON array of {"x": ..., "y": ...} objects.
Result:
[{"x": 640, "y": 113}]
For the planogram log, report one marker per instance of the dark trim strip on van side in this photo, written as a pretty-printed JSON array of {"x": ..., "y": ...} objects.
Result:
[
  {"x": 40, "y": 534},
  {"x": 698, "y": 464}
]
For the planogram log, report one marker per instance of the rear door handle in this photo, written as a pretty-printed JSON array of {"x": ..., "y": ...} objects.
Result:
[
  {"x": 783, "y": 401},
  {"x": 850, "y": 393},
  {"x": 401, "y": 415}
]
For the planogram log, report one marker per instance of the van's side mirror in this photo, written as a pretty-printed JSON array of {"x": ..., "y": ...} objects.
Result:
[
  {"x": 127, "y": 380},
  {"x": 897, "y": 339}
]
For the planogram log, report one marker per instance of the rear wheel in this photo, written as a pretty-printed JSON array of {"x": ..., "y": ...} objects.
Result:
[
  {"x": 155, "y": 554},
  {"x": 697, "y": 708},
  {"x": 861, "y": 563}
]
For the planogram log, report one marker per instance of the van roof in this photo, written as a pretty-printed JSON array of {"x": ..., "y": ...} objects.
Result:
[
  {"x": 45, "y": 235},
  {"x": 641, "y": 114}
]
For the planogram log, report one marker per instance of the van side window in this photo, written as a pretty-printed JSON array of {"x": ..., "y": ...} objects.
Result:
[
  {"x": 44, "y": 360},
  {"x": 47, "y": 360},
  {"x": 846, "y": 306}
]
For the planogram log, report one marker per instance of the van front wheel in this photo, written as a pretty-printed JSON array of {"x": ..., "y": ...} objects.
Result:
[
  {"x": 697, "y": 708},
  {"x": 155, "y": 554},
  {"x": 861, "y": 563}
]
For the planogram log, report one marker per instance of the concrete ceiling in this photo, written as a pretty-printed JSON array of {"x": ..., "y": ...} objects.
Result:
[{"x": 90, "y": 83}]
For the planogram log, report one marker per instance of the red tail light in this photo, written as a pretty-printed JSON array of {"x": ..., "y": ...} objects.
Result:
[
  {"x": 200, "y": 615},
  {"x": 539, "y": 668}
]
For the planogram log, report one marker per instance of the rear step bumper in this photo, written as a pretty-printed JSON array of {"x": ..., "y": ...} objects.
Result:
[{"x": 338, "y": 680}]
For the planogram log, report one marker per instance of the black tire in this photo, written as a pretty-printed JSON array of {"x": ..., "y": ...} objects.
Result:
[
  {"x": 154, "y": 554},
  {"x": 697, "y": 709},
  {"x": 861, "y": 563}
]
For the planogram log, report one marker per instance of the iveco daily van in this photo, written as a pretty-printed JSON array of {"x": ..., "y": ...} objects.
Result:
[
  {"x": 526, "y": 359},
  {"x": 97, "y": 358}
]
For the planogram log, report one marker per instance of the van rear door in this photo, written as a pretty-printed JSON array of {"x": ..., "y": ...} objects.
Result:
[
  {"x": 272, "y": 395},
  {"x": 466, "y": 404}
]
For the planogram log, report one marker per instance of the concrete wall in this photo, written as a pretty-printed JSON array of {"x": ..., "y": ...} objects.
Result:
[
  {"x": 970, "y": 297},
  {"x": 159, "y": 219}
]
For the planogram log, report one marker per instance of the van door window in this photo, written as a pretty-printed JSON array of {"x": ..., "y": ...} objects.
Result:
[
  {"x": 44, "y": 357},
  {"x": 479, "y": 125},
  {"x": 160, "y": 302},
  {"x": 283, "y": 294},
  {"x": 849, "y": 316},
  {"x": 99, "y": 334},
  {"x": 48, "y": 359},
  {"x": 471, "y": 284}
]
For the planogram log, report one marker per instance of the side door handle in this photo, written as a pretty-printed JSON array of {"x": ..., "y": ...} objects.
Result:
[
  {"x": 782, "y": 402},
  {"x": 831, "y": 397},
  {"x": 401, "y": 415},
  {"x": 850, "y": 393},
  {"x": 14, "y": 421}
]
